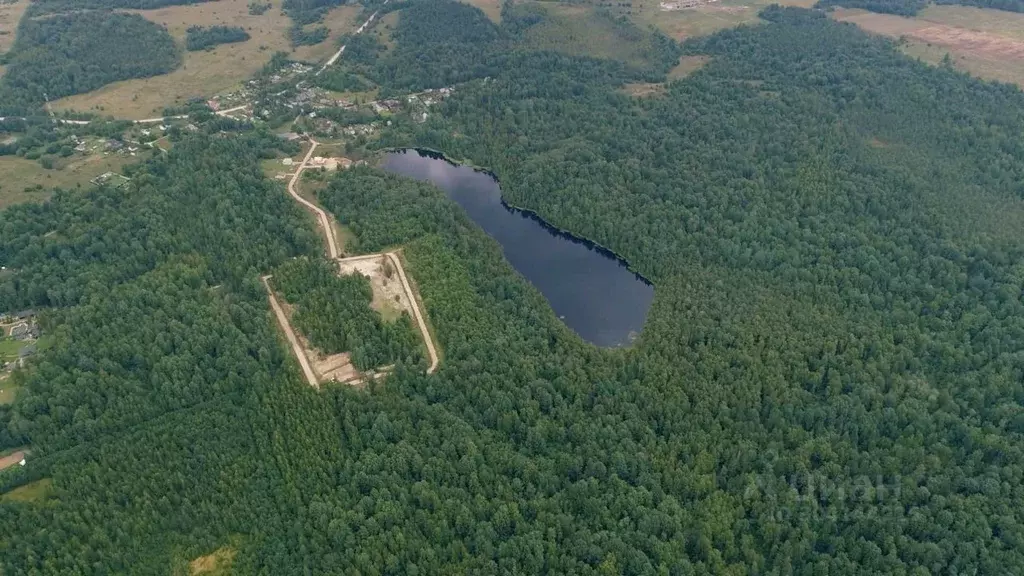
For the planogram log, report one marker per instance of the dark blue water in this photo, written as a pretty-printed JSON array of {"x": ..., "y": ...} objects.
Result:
[{"x": 590, "y": 289}]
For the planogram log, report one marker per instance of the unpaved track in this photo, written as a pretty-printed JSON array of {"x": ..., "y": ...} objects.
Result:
[
  {"x": 325, "y": 222},
  {"x": 416, "y": 312},
  {"x": 282, "y": 320}
]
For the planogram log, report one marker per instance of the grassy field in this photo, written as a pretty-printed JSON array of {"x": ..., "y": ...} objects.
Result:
[
  {"x": 10, "y": 15},
  {"x": 20, "y": 174},
  {"x": 490, "y": 7},
  {"x": 581, "y": 30},
  {"x": 703, "y": 20},
  {"x": 986, "y": 43},
  {"x": 7, "y": 392},
  {"x": 37, "y": 491},
  {"x": 9, "y": 349},
  {"x": 205, "y": 73}
]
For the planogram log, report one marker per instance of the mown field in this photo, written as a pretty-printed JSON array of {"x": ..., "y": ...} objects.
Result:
[
  {"x": 208, "y": 72},
  {"x": 983, "y": 42}
]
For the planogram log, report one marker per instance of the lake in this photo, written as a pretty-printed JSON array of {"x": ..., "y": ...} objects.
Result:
[{"x": 589, "y": 288}]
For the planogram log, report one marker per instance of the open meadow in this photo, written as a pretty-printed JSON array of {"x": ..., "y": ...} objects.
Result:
[
  {"x": 27, "y": 181},
  {"x": 208, "y": 72}
]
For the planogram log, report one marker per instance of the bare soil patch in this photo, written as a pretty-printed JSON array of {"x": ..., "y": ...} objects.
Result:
[
  {"x": 12, "y": 459},
  {"x": 388, "y": 294},
  {"x": 209, "y": 72}
]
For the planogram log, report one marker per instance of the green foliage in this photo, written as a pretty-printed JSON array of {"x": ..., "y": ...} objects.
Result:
[
  {"x": 202, "y": 37},
  {"x": 301, "y": 37},
  {"x": 445, "y": 42},
  {"x": 70, "y": 54},
  {"x": 258, "y": 8},
  {"x": 900, "y": 7},
  {"x": 334, "y": 313}
]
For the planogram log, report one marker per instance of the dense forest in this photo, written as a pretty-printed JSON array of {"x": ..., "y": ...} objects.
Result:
[
  {"x": 334, "y": 313},
  {"x": 74, "y": 53},
  {"x": 203, "y": 37},
  {"x": 42, "y": 7},
  {"x": 829, "y": 381},
  {"x": 1008, "y": 5},
  {"x": 900, "y": 7}
]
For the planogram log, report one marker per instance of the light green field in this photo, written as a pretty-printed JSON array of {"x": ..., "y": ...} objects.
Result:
[
  {"x": 7, "y": 392},
  {"x": 34, "y": 492},
  {"x": 21, "y": 177}
]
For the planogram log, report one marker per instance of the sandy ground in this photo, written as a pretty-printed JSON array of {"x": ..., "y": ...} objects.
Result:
[
  {"x": 12, "y": 459},
  {"x": 388, "y": 293}
]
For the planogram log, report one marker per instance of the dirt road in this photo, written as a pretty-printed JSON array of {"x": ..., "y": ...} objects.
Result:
[
  {"x": 282, "y": 320},
  {"x": 325, "y": 222},
  {"x": 416, "y": 312}
]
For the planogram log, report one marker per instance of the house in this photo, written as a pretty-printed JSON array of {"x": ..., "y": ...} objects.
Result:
[{"x": 287, "y": 161}]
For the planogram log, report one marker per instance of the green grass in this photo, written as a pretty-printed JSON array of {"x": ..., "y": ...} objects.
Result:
[
  {"x": 8, "y": 391},
  {"x": 27, "y": 181},
  {"x": 33, "y": 492},
  {"x": 580, "y": 30},
  {"x": 9, "y": 349}
]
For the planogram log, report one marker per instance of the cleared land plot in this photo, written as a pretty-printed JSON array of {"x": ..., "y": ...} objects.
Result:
[
  {"x": 389, "y": 297},
  {"x": 206, "y": 73},
  {"x": 990, "y": 46},
  {"x": 21, "y": 176},
  {"x": 12, "y": 459}
]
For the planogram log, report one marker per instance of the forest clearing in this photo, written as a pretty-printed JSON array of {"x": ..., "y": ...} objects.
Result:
[
  {"x": 392, "y": 295},
  {"x": 987, "y": 43}
]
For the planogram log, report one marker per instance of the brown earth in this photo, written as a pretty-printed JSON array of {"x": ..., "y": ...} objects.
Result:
[{"x": 12, "y": 459}]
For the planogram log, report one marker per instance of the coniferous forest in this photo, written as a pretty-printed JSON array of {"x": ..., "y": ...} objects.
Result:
[{"x": 829, "y": 380}]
